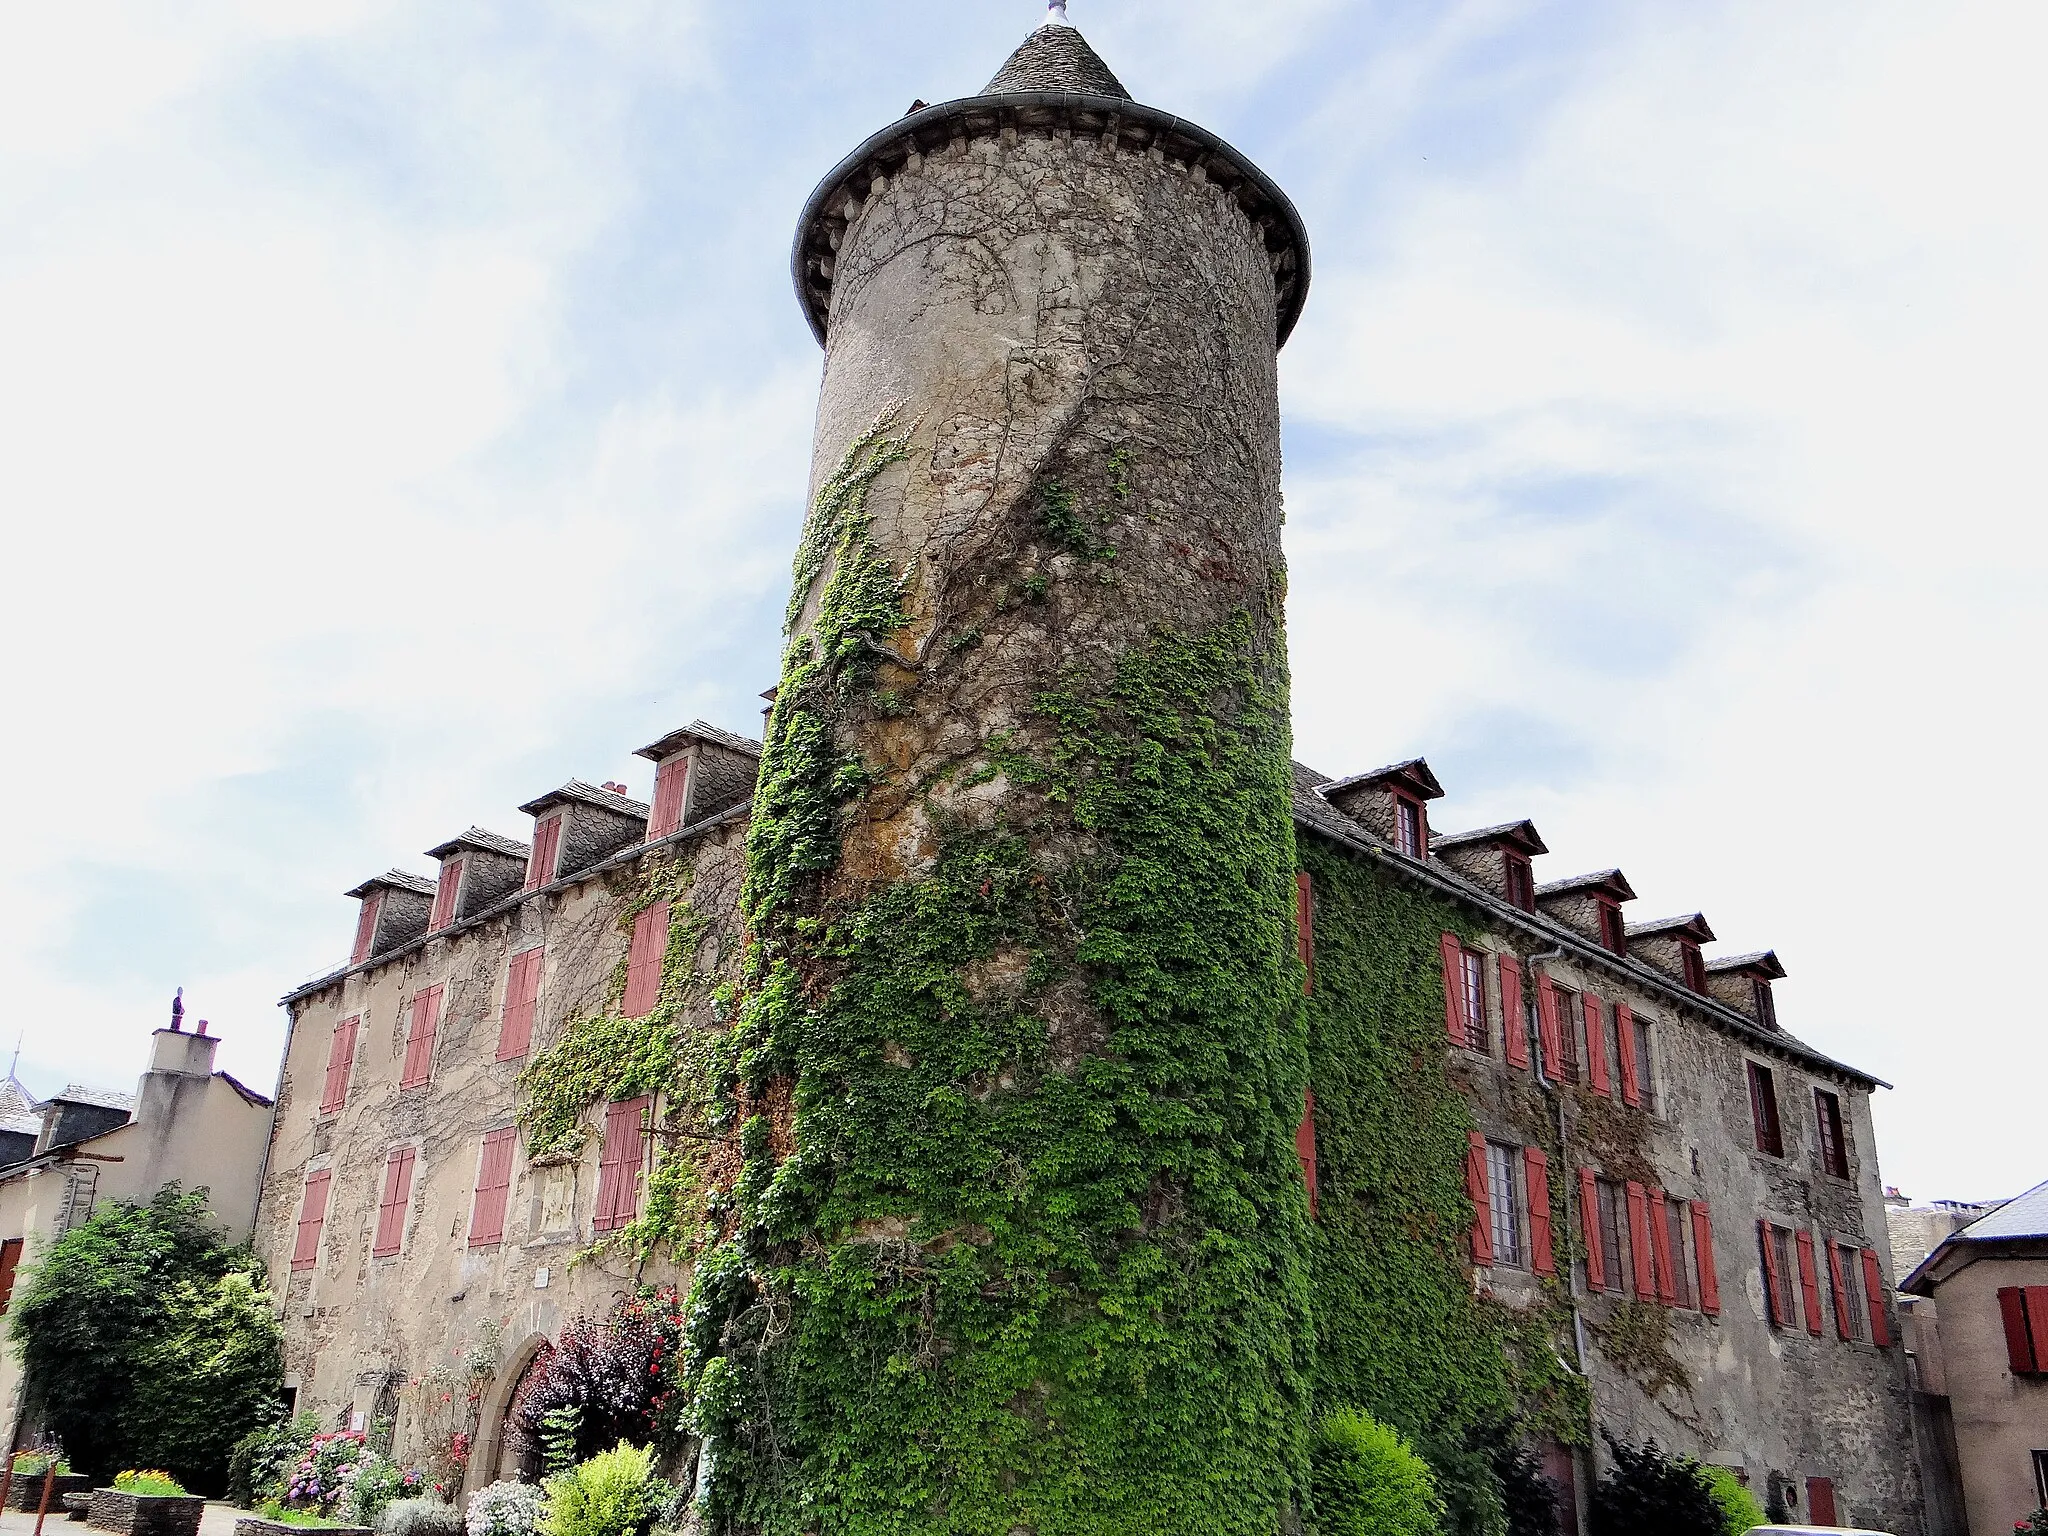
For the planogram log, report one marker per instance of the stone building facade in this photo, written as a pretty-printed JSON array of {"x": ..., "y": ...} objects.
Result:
[{"x": 1134, "y": 1094}]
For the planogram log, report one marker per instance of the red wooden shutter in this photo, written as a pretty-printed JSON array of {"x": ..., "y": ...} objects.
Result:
[
  {"x": 2037, "y": 1322},
  {"x": 1820, "y": 1501},
  {"x": 2019, "y": 1338},
  {"x": 1536, "y": 1176},
  {"x": 10, "y": 1261},
  {"x": 1514, "y": 1024},
  {"x": 669, "y": 781},
  {"x": 643, "y": 961},
  {"x": 1660, "y": 1245},
  {"x": 1305, "y": 1148},
  {"x": 312, "y": 1212},
  {"x": 419, "y": 1041},
  {"x": 1874, "y": 1290},
  {"x": 618, "y": 1166},
  {"x": 1305, "y": 928},
  {"x": 1703, "y": 1252},
  {"x": 445, "y": 894},
  {"x": 1454, "y": 988},
  {"x": 391, "y": 1207},
  {"x": 341, "y": 1060},
  {"x": 522, "y": 988},
  {"x": 366, "y": 928},
  {"x": 1639, "y": 1241},
  {"x": 1589, "y": 1227},
  {"x": 547, "y": 848},
  {"x": 1773, "y": 1293},
  {"x": 1838, "y": 1290},
  {"x": 1546, "y": 1026},
  {"x": 493, "y": 1187},
  {"x": 1482, "y": 1205},
  {"x": 1596, "y": 1045},
  {"x": 1809, "y": 1282},
  {"x": 1631, "y": 1082}
]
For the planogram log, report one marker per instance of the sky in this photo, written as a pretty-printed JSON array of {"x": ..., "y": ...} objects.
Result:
[{"x": 403, "y": 409}]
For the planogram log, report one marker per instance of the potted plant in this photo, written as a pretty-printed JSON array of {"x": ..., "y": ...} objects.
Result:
[{"x": 145, "y": 1504}]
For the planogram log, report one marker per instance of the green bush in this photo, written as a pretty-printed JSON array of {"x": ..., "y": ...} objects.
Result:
[
  {"x": 1739, "y": 1508},
  {"x": 1367, "y": 1481},
  {"x": 1646, "y": 1490},
  {"x": 615, "y": 1493},
  {"x": 378, "y": 1481},
  {"x": 145, "y": 1339},
  {"x": 420, "y": 1517},
  {"x": 149, "y": 1484},
  {"x": 1528, "y": 1496}
]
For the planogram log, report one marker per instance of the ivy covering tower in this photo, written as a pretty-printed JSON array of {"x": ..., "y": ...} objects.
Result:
[{"x": 1018, "y": 1243}]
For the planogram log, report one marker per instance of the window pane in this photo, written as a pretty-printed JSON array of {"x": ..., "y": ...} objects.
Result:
[
  {"x": 1646, "y": 1080},
  {"x": 1677, "y": 1220},
  {"x": 1612, "y": 1227},
  {"x": 1569, "y": 1024},
  {"x": 1852, "y": 1289},
  {"x": 1476, "y": 1035},
  {"x": 1507, "y": 1211}
]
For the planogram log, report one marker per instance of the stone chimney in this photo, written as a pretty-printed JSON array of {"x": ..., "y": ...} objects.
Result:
[{"x": 183, "y": 1053}]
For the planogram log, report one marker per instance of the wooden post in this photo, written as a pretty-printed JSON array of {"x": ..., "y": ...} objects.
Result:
[
  {"x": 7, "y": 1479},
  {"x": 49, "y": 1482}
]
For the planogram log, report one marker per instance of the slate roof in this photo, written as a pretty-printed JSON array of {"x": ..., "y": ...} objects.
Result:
[
  {"x": 698, "y": 730},
  {"x": 1415, "y": 773},
  {"x": 587, "y": 794},
  {"x": 99, "y": 1098},
  {"x": 489, "y": 842},
  {"x": 419, "y": 885},
  {"x": 1522, "y": 834},
  {"x": 1691, "y": 926},
  {"x": 1765, "y": 960},
  {"x": 2022, "y": 1216},
  {"x": 1600, "y": 879},
  {"x": 1056, "y": 58},
  {"x": 261, "y": 1101}
]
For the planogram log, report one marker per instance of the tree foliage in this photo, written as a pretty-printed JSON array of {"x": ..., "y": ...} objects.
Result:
[
  {"x": 147, "y": 1341},
  {"x": 1648, "y": 1490},
  {"x": 1369, "y": 1482}
]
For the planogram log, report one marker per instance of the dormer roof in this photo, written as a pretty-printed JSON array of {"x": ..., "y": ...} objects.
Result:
[
  {"x": 1521, "y": 836},
  {"x": 576, "y": 792},
  {"x": 488, "y": 842},
  {"x": 1611, "y": 883},
  {"x": 1691, "y": 926},
  {"x": 1763, "y": 963},
  {"x": 697, "y": 731},
  {"x": 1412, "y": 777},
  {"x": 394, "y": 880}
]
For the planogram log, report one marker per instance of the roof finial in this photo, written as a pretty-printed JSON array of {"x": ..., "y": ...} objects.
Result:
[{"x": 1056, "y": 13}]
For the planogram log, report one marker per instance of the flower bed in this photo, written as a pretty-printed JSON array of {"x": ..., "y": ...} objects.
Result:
[
  {"x": 256, "y": 1525},
  {"x": 145, "y": 1514},
  {"x": 27, "y": 1492}
]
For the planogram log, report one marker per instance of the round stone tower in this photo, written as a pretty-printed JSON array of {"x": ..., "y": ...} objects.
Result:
[{"x": 1018, "y": 1244}]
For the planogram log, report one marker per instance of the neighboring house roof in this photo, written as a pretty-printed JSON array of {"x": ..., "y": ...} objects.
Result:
[
  {"x": 21, "y": 1125},
  {"x": 99, "y": 1098},
  {"x": 261, "y": 1101},
  {"x": 2018, "y": 1228}
]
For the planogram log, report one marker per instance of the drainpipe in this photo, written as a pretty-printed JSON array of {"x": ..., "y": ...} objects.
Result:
[{"x": 1549, "y": 1086}]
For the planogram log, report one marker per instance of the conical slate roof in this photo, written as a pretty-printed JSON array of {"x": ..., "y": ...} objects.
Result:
[{"x": 1056, "y": 58}]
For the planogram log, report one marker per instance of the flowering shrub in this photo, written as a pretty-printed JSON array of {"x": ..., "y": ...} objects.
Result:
[
  {"x": 148, "y": 1484},
  {"x": 377, "y": 1482},
  {"x": 420, "y": 1517},
  {"x": 2035, "y": 1524},
  {"x": 505, "y": 1509},
  {"x": 618, "y": 1372},
  {"x": 326, "y": 1473}
]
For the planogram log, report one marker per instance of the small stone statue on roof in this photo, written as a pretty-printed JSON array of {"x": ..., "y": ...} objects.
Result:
[{"x": 1056, "y": 13}]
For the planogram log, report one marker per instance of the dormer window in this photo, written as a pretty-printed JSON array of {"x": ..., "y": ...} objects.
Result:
[
  {"x": 366, "y": 928},
  {"x": 445, "y": 894},
  {"x": 547, "y": 849},
  {"x": 1521, "y": 883},
  {"x": 1611, "y": 932},
  {"x": 1411, "y": 828},
  {"x": 1695, "y": 967},
  {"x": 1766, "y": 1009}
]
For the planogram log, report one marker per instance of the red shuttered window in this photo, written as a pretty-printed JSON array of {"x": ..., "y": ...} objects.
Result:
[
  {"x": 1476, "y": 1185},
  {"x": 1880, "y": 1325},
  {"x": 1676, "y": 1219},
  {"x": 493, "y": 1188},
  {"x": 1536, "y": 1177},
  {"x": 419, "y": 1038},
  {"x": 1629, "y": 1033},
  {"x": 1305, "y": 1149},
  {"x": 1521, "y": 882},
  {"x": 1763, "y": 1111},
  {"x": 1834, "y": 1148},
  {"x": 312, "y": 1214},
  {"x": 1596, "y": 1045},
  {"x": 1777, "y": 1252},
  {"x": 341, "y": 1061},
  {"x": 1846, "y": 1326},
  {"x": 1411, "y": 827},
  {"x": 1548, "y": 1035},
  {"x": 1514, "y": 1020},
  {"x": 366, "y": 928},
  {"x": 1809, "y": 1283},
  {"x": 392, "y": 1204},
  {"x": 522, "y": 991},
  {"x": 1695, "y": 967},
  {"x": 445, "y": 894},
  {"x": 1613, "y": 931},
  {"x": 1305, "y": 928},
  {"x": 547, "y": 852},
  {"x": 1703, "y": 1259},
  {"x": 618, "y": 1165},
  {"x": 1660, "y": 1248},
  {"x": 1639, "y": 1241},
  {"x": 1472, "y": 970},
  {"x": 1589, "y": 1228},
  {"x": 2019, "y": 1334},
  {"x": 1453, "y": 954},
  {"x": 643, "y": 961},
  {"x": 10, "y": 1264},
  {"x": 670, "y": 780}
]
